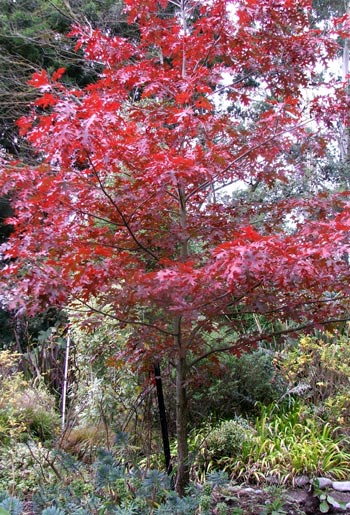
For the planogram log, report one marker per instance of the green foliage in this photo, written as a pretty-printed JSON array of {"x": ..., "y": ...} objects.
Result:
[
  {"x": 25, "y": 466},
  {"x": 287, "y": 444},
  {"x": 109, "y": 395},
  {"x": 327, "y": 501},
  {"x": 243, "y": 383},
  {"x": 275, "y": 506},
  {"x": 177, "y": 505},
  {"x": 32, "y": 37},
  {"x": 12, "y": 386},
  {"x": 222, "y": 508},
  {"x": 337, "y": 411},
  {"x": 322, "y": 363},
  {"x": 25, "y": 411},
  {"x": 10, "y": 505},
  {"x": 228, "y": 438},
  {"x": 324, "y": 9},
  {"x": 109, "y": 486},
  {"x": 221, "y": 441},
  {"x": 321, "y": 366},
  {"x": 40, "y": 423},
  {"x": 52, "y": 511},
  {"x": 286, "y": 440}
]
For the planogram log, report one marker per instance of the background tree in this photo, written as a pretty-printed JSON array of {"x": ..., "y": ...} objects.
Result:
[
  {"x": 122, "y": 203},
  {"x": 335, "y": 170},
  {"x": 33, "y": 35},
  {"x": 326, "y": 9}
]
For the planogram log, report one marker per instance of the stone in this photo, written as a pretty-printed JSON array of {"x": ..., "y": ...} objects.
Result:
[
  {"x": 333, "y": 502},
  {"x": 298, "y": 496},
  {"x": 341, "y": 486},
  {"x": 247, "y": 491},
  {"x": 301, "y": 481},
  {"x": 323, "y": 482}
]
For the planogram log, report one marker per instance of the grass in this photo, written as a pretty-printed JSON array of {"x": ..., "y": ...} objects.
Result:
[{"x": 289, "y": 444}]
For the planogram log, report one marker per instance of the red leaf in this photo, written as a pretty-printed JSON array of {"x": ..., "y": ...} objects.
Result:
[
  {"x": 39, "y": 80},
  {"x": 58, "y": 74}
]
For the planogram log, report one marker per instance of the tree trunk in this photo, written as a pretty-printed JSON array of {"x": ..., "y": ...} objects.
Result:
[
  {"x": 182, "y": 477},
  {"x": 163, "y": 418}
]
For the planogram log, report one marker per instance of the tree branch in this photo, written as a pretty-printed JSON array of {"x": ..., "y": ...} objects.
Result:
[
  {"x": 123, "y": 320},
  {"x": 267, "y": 336},
  {"x": 122, "y": 216}
]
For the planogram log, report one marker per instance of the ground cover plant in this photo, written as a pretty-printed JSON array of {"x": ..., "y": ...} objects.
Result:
[{"x": 286, "y": 440}]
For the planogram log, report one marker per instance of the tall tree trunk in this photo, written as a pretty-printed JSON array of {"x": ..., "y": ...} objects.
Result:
[
  {"x": 182, "y": 478},
  {"x": 163, "y": 418}
]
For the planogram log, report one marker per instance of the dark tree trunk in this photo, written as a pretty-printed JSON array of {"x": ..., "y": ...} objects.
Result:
[
  {"x": 182, "y": 477},
  {"x": 163, "y": 419}
]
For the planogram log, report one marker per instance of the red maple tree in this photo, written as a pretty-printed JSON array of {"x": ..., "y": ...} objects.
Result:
[{"x": 123, "y": 202}]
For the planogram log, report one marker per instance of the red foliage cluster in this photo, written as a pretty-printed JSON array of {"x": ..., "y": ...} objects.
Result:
[{"x": 121, "y": 204}]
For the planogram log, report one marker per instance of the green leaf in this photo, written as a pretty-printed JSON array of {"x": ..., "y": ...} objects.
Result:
[
  {"x": 331, "y": 500},
  {"x": 4, "y": 512},
  {"x": 324, "y": 507}
]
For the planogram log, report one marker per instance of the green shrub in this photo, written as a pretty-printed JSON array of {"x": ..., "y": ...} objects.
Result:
[
  {"x": 12, "y": 384},
  {"x": 337, "y": 411},
  {"x": 25, "y": 411},
  {"x": 109, "y": 394},
  {"x": 239, "y": 387},
  {"x": 25, "y": 466},
  {"x": 291, "y": 443},
  {"x": 10, "y": 426},
  {"x": 214, "y": 443},
  {"x": 320, "y": 367},
  {"x": 321, "y": 363},
  {"x": 40, "y": 423},
  {"x": 227, "y": 439}
]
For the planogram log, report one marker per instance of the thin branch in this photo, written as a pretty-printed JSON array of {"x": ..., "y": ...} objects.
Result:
[
  {"x": 96, "y": 217},
  {"x": 266, "y": 336},
  {"x": 209, "y": 353},
  {"x": 137, "y": 208},
  {"x": 286, "y": 307},
  {"x": 228, "y": 86},
  {"x": 239, "y": 158},
  {"x": 122, "y": 216},
  {"x": 123, "y": 320}
]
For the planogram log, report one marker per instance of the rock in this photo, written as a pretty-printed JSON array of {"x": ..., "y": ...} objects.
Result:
[
  {"x": 298, "y": 496},
  {"x": 341, "y": 486},
  {"x": 301, "y": 481},
  {"x": 332, "y": 502},
  {"x": 322, "y": 482},
  {"x": 248, "y": 491}
]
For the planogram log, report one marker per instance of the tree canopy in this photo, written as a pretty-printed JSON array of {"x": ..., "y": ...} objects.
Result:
[{"x": 123, "y": 203}]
